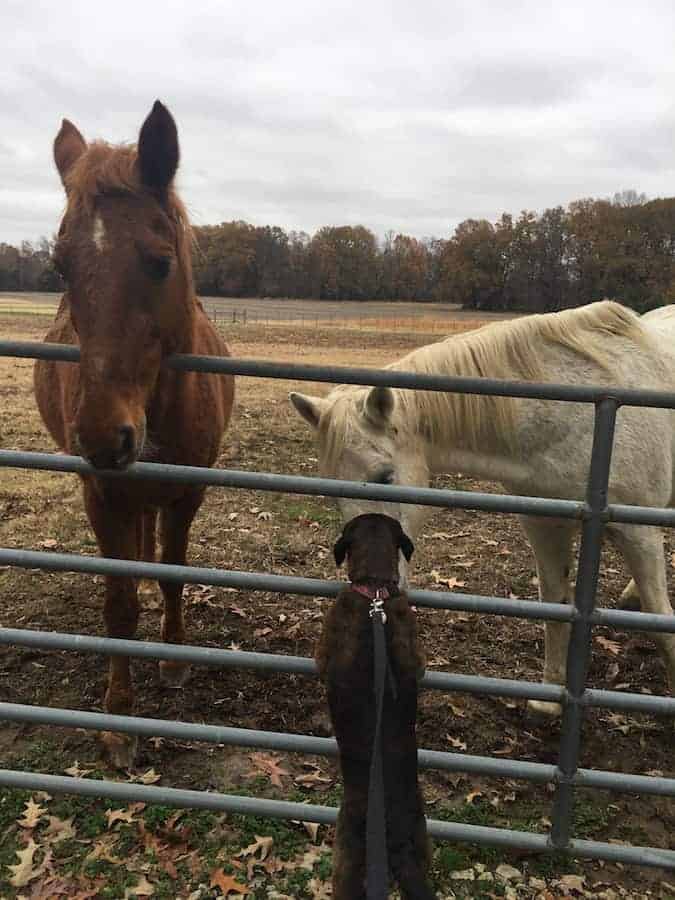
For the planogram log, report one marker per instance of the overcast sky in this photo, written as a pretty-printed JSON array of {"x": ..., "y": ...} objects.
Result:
[{"x": 301, "y": 113}]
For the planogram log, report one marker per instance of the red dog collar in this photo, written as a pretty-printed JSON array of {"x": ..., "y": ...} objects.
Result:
[{"x": 370, "y": 592}]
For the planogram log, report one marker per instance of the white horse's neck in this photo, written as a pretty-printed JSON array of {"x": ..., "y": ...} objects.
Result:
[{"x": 477, "y": 464}]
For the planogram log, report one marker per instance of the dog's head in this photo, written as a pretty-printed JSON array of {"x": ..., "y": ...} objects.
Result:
[{"x": 371, "y": 543}]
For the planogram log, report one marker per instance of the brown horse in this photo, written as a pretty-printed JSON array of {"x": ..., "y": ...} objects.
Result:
[{"x": 124, "y": 251}]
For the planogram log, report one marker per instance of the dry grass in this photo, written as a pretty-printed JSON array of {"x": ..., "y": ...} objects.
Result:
[{"x": 487, "y": 553}]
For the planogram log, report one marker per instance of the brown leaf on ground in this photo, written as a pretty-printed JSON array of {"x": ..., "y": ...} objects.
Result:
[
  {"x": 455, "y": 742},
  {"x": 264, "y": 844},
  {"x": 472, "y": 795},
  {"x": 312, "y": 829},
  {"x": 313, "y": 779},
  {"x": 119, "y": 815},
  {"x": 264, "y": 764},
  {"x": 142, "y": 889},
  {"x": 23, "y": 872},
  {"x": 614, "y": 647},
  {"x": 320, "y": 890},
  {"x": 76, "y": 772},
  {"x": 31, "y": 814},
  {"x": 149, "y": 777},
  {"x": 103, "y": 849},
  {"x": 226, "y": 883},
  {"x": 59, "y": 830}
]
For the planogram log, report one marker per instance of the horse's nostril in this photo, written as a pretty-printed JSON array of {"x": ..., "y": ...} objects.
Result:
[{"x": 127, "y": 441}]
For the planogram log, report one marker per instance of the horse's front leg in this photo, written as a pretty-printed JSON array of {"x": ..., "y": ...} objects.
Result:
[
  {"x": 116, "y": 532},
  {"x": 175, "y": 522},
  {"x": 147, "y": 587},
  {"x": 552, "y": 542}
]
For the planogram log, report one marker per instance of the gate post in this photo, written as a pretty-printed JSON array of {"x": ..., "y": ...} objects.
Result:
[{"x": 579, "y": 647}]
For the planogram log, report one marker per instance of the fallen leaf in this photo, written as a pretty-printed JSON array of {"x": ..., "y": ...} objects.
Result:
[
  {"x": 149, "y": 777},
  {"x": 49, "y": 544},
  {"x": 508, "y": 873},
  {"x": 238, "y": 611},
  {"x": 309, "y": 859},
  {"x": 312, "y": 779},
  {"x": 320, "y": 890},
  {"x": 76, "y": 771},
  {"x": 59, "y": 830},
  {"x": 267, "y": 765},
  {"x": 142, "y": 889},
  {"x": 312, "y": 829},
  {"x": 614, "y": 647},
  {"x": 23, "y": 872},
  {"x": 264, "y": 844},
  {"x": 103, "y": 849},
  {"x": 265, "y": 516},
  {"x": 472, "y": 795},
  {"x": 455, "y": 742},
  {"x": 119, "y": 815},
  {"x": 226, "y": 883},
  {"x": 31, "y": 814},
  {"x": 571, "y": 882},
  {"x": 261, "y": 632}
]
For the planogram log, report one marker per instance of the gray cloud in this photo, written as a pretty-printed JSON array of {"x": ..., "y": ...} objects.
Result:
[{"x": 393, "y": 115}]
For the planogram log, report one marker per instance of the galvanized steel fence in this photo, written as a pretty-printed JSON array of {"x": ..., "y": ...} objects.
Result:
[{"x": 575, "y": 697}]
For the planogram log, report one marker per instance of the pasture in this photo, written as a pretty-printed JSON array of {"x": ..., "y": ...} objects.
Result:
[{"x": 154, "y": 851}]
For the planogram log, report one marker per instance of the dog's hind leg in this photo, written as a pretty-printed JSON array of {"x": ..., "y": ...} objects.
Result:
[{"x": 349, "y": 860}]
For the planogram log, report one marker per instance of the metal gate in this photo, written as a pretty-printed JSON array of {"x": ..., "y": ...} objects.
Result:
[{"x": 575, "y": 697}]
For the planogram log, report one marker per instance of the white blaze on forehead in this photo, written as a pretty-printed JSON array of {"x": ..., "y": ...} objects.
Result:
[{"x": 98, "y": 235}]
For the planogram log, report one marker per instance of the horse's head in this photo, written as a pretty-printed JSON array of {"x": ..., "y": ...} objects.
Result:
[
  {"x": 123, "y": 250},
  {"x": 362, "y": 438}
]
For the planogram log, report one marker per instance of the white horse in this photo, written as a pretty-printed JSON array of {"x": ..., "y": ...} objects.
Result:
[{"x": 533, "y": 447}]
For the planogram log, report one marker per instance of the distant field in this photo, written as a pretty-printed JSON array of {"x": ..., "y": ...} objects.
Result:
[{"x": 369, "y": 315}]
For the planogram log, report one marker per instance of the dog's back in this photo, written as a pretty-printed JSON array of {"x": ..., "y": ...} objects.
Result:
[{"x": 349, "y": 676}]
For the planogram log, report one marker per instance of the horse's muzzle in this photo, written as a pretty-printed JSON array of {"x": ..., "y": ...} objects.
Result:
[{"x": 123, "y": 452}]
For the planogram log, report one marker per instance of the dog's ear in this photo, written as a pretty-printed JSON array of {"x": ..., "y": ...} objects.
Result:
[
  {"x": 406, "y": 545},
  {"x": 340, "y": 549}
]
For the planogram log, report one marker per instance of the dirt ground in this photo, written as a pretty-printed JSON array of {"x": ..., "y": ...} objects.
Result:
[{"x": 256, "y": 531}]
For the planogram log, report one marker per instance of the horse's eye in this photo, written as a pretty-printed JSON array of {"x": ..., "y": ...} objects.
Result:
[
  {"x": 157, "y": 267},
  {"x": 384, "y": 476}
]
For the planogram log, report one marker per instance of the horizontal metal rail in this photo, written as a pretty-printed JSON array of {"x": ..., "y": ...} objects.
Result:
[
  {"x": 298, "y": 484},
  {"x": 121, "y": 792},
  {"x": 332, "y": 487},
  {"x": 575, "y": 697},
  {"x": 303, "y": 743},
  {"x": 314, "y": 587},
  {"x": 299, "y": 665},
  {"x": 257, "y": 368}
]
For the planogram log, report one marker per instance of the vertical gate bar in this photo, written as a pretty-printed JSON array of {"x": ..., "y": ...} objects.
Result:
[{"x": 579, "y": 648}]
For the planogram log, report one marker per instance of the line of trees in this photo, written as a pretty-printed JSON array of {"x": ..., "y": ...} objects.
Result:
[{"x": 622, "y": 248}]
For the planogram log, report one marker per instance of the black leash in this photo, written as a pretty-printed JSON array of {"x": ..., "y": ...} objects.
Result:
[{"x": 377, "y": 861}]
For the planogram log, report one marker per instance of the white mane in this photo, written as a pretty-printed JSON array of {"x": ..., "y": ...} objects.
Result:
[{"x": 514, "y": 350}]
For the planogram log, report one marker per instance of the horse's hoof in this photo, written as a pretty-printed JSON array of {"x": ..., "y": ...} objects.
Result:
[
  {"x": 543, "y": 709},
  {"x": 119, "y": 750},
  {"x": 173, "y": 674}
]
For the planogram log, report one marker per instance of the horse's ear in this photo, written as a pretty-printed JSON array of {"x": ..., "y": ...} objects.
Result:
[
  {"x": 158, "y": 149},
  {"x": 379, "y": 405},
  {"x": 69, "y": 145},
  {"x": 310, "y": 408}
]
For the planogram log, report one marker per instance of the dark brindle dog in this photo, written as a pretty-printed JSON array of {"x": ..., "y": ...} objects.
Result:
[{"x": 344, "y": 658}]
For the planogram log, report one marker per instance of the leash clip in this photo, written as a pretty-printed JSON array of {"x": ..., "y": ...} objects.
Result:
[{"x": 377, "y": 607}]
